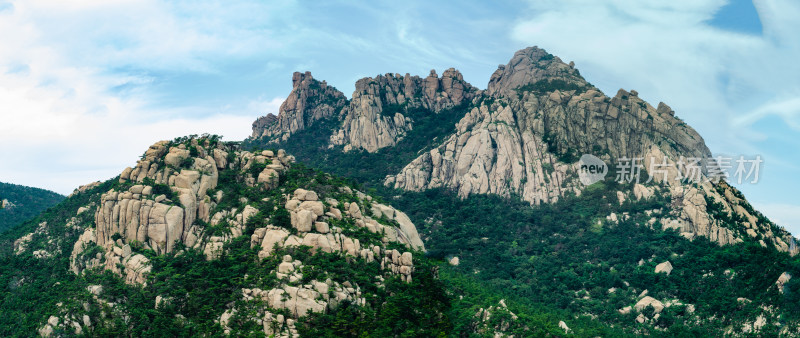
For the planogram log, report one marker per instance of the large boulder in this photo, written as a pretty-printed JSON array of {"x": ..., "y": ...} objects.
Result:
[
  {"x": 665, "y": 267},
  {"x": 649, "y": 301}
]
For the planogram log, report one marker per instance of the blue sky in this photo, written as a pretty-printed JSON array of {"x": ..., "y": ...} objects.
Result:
[{"x": 86, "y": 86}]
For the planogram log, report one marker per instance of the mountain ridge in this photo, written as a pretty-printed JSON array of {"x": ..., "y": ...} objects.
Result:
[{"x": 523, "y": 136}]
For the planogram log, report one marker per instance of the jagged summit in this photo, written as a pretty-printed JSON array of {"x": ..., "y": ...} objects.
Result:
[
  {"x": 536, "y": 118},
  {"x": 382, "y": 108},
  {"x": 529, "y": 66},
  {"x": 310, "y": 100},
  {"x": 524, "y": 135}
]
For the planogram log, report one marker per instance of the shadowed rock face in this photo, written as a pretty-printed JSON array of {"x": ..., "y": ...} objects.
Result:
[{"x": 262, "y": 123}]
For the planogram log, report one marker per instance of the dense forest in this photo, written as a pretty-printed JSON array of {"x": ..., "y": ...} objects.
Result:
[{"x": 23, "y": 203}]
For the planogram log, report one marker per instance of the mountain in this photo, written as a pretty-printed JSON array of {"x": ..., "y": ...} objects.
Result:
[
  {"x": 418, "y": 207},
  {"x": 200, "y": 237},
  {"x": 495, "y": 175},
  {"x": 522, "y": 136},
  {"x": 20, "y": 203}
]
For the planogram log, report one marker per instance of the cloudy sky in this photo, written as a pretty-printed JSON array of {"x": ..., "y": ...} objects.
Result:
[{"x": 86, "y": 86}]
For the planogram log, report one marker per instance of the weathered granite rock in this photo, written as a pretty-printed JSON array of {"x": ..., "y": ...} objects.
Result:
[
  {"x": 649, "y": 301},
  {"x": 309, "y": 101},
  {"x": 665, "y": 267},
  {"x": 156, "y": 222},
  {"x": 782, "y": 280},
  {"x": 514, "y": 143},
  {"x": 377, "y": 115}
]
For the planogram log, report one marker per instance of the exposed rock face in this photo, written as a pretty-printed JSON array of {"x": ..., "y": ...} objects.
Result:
[
  {"x": 538, "y": 109},
  {"x": 523, "y": 135},
  {"x": 318, "y": 225},
  {"x": 377, "y": 115},
  {"x": 309, "y": 101},
  {"x": 649, "y": 301},
  {"x": 484, "y": 325},
  {"x": 490, "y": 153},
  {"x": 311, "y": 220},
  {"x": 782, "y": 280},
  {"x": 170, "y": 197},
  {"x": 262, "y": 123},
  {"x": 718, "y": 212},
  {"x": 137, "y": 216},
  {"x": 509, "y": 144},
  {"x": 564, "y": 326}
]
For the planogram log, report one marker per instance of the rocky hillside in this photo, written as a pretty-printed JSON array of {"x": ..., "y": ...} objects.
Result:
[
  {"x": 523, "y": 136},
  {"x": 207, "y": 238},
  {"x": 20, "y": 203},
  {"x": 495, "y": 183}
]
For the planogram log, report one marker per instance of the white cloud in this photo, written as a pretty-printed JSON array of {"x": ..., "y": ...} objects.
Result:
[{"x": 63, "y": 125}]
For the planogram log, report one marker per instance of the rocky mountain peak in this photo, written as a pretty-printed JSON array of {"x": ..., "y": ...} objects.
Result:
[
  {"x": 383, "y": 108},
  {"x": 261, "y": 123},
  {"x": 664, "y": 109},
  {"x": 526, "y": 137},
  {"x": 310, "y": 100},
  {"x": 529, "y": 66}
]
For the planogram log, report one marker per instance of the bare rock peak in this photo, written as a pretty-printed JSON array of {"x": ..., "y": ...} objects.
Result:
[
  {"x": 377, "y": 114},
  {"x": 664, "y": 109},
  {"x": 310, "y": 100},
  {"x": 528, "y": 66}
]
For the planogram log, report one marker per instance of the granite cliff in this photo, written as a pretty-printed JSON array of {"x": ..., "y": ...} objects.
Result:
[{"x": 523, "y": 136}]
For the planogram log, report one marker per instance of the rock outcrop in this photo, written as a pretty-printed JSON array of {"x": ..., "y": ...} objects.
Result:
[
  {"x": 309, "y": 101},
  {"x": 199, "y": 197},
  {"x": 320, "y": 228},
  {"x": 784, "y": 278},
  {"x": 381, "y": 111},
  {"x": 484, "y": 325},
  {"x": 323, "y": 226},
  {"x": 161, "y": 200},
  {"x": 490, "y": 153},
  {"x": 383, "y": 108},
  {"x": 665, "y": 267},
  {"x": 538, "y": 113},
  {"x": 171, "y": 201},
  {"x": 524, "y": 134}
]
